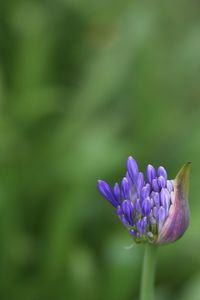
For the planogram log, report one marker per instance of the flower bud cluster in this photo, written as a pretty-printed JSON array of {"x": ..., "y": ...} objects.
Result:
[{"x": 145, "y": 206}]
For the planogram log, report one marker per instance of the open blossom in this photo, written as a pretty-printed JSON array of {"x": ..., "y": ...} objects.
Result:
[{"x": 154, "y": 209}]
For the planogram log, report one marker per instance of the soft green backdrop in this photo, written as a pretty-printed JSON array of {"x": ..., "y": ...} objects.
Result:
[{"x": 84, "y": 84}]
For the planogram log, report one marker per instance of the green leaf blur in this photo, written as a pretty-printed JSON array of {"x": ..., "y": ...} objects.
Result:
[{"x": 84, "y": 84}]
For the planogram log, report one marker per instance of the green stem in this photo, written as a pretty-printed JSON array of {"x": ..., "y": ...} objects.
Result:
[{"x": 148, "y": 273}]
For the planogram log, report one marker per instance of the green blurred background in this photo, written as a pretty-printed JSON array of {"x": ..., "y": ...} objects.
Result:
[{"x": 84, "y": 84}]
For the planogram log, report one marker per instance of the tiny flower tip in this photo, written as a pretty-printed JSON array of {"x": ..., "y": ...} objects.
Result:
[
  {"x": 132, "y": 167},
  {"x": 182, "y": 178},
  {"x": 100, "y": 183},
  {"x": 178, "y": 219},
  {"x": 106, "y": 191}
]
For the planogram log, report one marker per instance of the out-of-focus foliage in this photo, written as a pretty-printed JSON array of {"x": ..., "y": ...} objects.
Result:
[{"x": 84, "y": 84}]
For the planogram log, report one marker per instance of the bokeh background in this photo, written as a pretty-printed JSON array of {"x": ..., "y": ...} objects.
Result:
[{"x": 84, "y": 84}]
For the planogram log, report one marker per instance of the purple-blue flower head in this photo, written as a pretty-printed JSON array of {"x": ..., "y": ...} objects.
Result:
[{"x": 155, "y": 210}]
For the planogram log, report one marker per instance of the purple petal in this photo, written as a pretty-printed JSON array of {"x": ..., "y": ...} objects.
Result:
[
  {"x": 138, "y": 226},
  {"x": 156, "y": 198},
  {"x": 124, "y": 220},
  {"x": 119, "y": 210},
  {"x": 144, "y": 222},
  {"x": 144, "y": 192},
  {"x": 127, "y": 208},
  {"x": 140, "y": 181},
  {"x": 132, "y": 168},
  {"x": 106, "y": 191},
  {"x": 162, "y": 172},
  {"x": 165, "y": 199},
  {"x": 142, "y": 225},
  {"x": 146, "y": 206},
  {"x": 125, "y": 188},
  {"x": 117, "y": 192},
  {"x": 148, "y": 186},
  {"x": 129, "y": 179},
  {"x": 161, "y": 182},
  {"x": 161, "y": 217},
  {"x": 152, "y": 202},
  {"x": 132, "y": 187},
  {"x": 132, "y": 232},
  {"x": 155, "y": 185},
  {"x": 151, "y": 173},
  {"x": 155, "y": 212},
  {"x": 138, "y": 206}
]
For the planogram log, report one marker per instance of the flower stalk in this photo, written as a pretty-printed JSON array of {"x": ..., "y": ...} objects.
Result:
[
  {"x": 148, "y": 273},
  {"x": 154, "y": 209}
]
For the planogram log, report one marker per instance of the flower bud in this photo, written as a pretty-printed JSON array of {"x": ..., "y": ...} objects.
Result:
[{"x": 155, "y": 211}]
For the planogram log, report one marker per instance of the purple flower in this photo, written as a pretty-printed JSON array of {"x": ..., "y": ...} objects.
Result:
[{"x": 155, "y": 211}]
